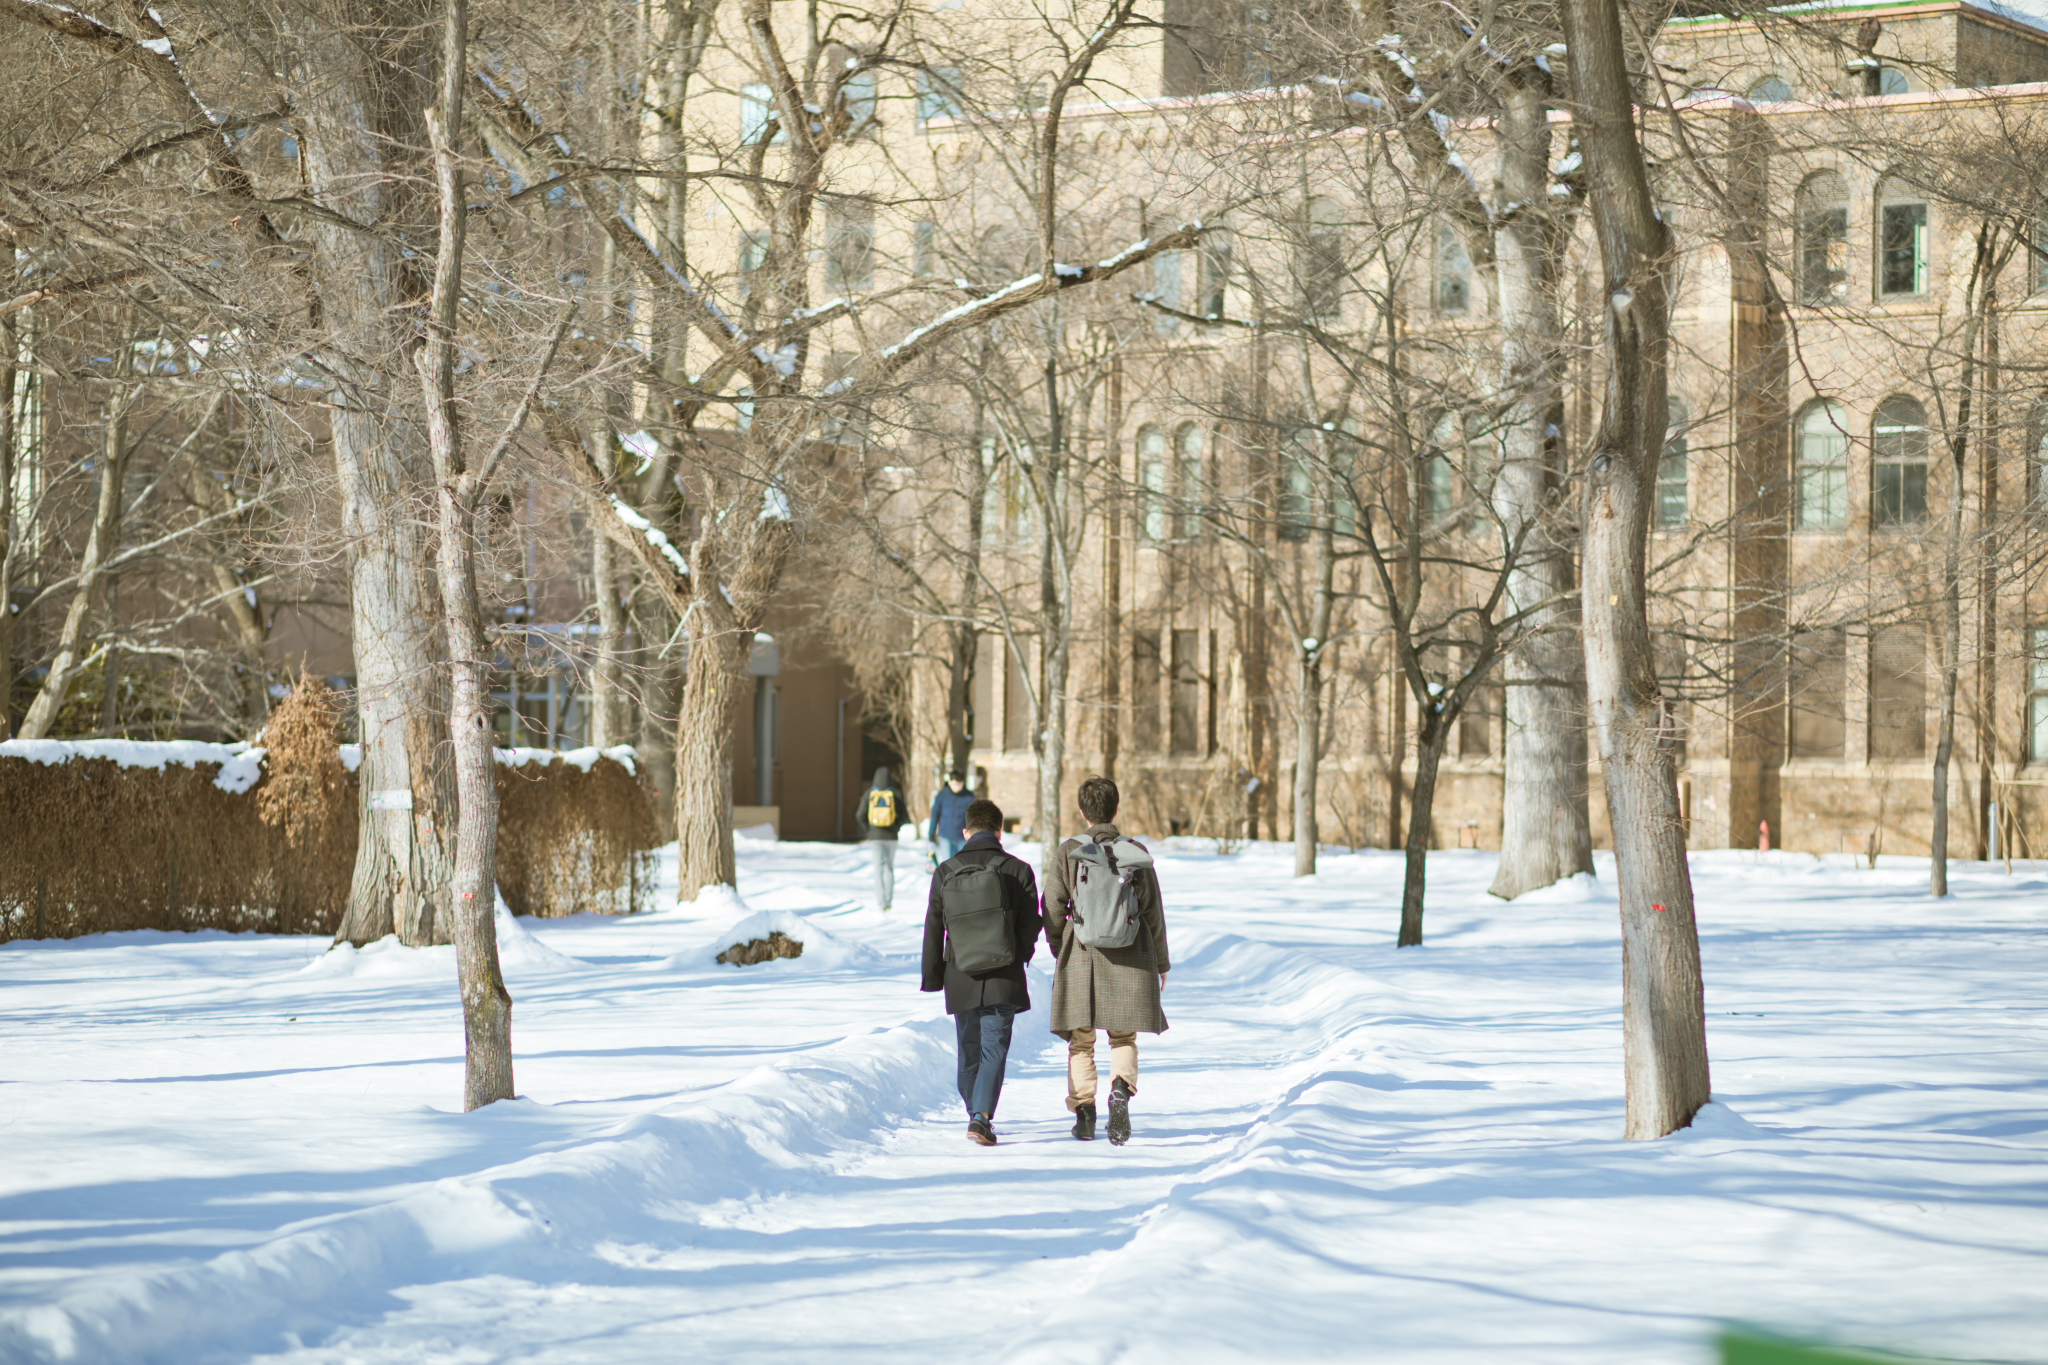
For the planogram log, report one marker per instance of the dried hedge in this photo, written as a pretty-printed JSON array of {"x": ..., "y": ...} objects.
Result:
[
  {"x": 572, "y": 841},
  {"x": 89, "y": 846}
]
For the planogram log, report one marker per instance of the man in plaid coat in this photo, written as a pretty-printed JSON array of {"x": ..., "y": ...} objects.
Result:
[{"x": 1116, "y": 989}]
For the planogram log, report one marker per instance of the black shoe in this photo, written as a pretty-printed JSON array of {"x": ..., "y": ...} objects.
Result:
[
  {"x": 1084, "y": 1122},
  {"x": 980, "y": 1130},
  {"x": 1119, "y": 1112}
]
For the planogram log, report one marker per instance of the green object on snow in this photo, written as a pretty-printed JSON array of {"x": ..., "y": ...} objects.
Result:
[{"x": 1741, "y": 1350}]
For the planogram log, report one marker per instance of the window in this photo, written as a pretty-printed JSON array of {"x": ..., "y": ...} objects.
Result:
[
  {"x": 753, "y": 255},
  {"x": 1898, "y": 692},
  {"x": 757, "y": 112},
  {"x": 1770, "y": 90},
  {"x": 1821, "y": 224},
  {"x": 1670, "y": 507},
  {"x": 1215, "y": 265},
  {"x": 1297, "y": 485},
  {"x": 1453, "y": 273},
  {"x": 1818, "y": 683},
  {"x": 1166, "y": 290},
  {"x": 1892, "y": 81},
  {"x": 2037, "y": 695},
  {"x": 2037, "y": 259},
  {"x": 1823, "y": 467},
  {"x": 2037, "y": 467},
  {"x": 857, "y": 98},
  {"x": 1152, "y": 484},
  {"x": 1343, "y": 478},
  {"x": 1189, "y": 731},
  {"x": 1437, "y": 488},
  {"x": 850, "y": 247},
  {"x": 1901, "y": 240},
  {"x": 938, "y": 93},
  {"x": 1898, "y": 464},
  {"x": 1187, "y": 482},
  {"x": 1322, "y": 259},
  {"x": 1145, "y": 692},
  {"x": 924, "y": 248}
]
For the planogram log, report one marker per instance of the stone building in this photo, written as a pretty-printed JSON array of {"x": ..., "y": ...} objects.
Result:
[{"x": 1817, "y": 392}]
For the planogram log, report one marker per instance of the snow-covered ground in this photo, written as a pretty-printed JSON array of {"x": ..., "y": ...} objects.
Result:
[{"x": 230, "y": 1148}]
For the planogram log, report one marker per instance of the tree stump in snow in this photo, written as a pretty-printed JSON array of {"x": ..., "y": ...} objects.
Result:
[{"x": 777, "y": 944}]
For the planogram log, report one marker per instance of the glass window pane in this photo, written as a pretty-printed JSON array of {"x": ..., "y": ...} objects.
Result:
[
  {"x": 1671, "y": 470},
  {"x": 1821, "y": 226},
  {"x": 1902, "y": 249},
  {"x": 1453, "y": 273},
  {"x": 1822, "y": 460}
]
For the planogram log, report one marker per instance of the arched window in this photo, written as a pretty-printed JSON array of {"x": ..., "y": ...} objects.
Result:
[
  {"x": 1901, "y": 239},
  {"x": 1822, "y": 459},
  {"x": 1670, "y": 507},
  {"x": 1187, "y": 481},
  {"x": 1453, "y": 273},
  {"x": 1898, "y": 463},
  {"x": 1152, "y": 484},
  {"x": 1770, "y": 90},
  {"x": 1322, "y": 260},
  {"x": 1892, "y": 81},
  {"x": 1821, "y": 223}
]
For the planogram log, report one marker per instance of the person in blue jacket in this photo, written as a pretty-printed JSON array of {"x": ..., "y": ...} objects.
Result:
[{"x": 947, "y": 825}]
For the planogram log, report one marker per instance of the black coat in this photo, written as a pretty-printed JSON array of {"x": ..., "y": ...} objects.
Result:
[{"x": 1005, "y": 985}]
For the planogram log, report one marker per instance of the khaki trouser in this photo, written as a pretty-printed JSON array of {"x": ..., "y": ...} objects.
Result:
[{"x": 1123, "y": 1063}]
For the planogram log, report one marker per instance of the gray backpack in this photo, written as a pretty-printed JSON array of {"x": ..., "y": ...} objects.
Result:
[{"x": 1105, "y": 891}]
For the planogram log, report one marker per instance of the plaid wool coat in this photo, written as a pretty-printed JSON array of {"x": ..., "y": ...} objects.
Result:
[{"x": 1107, "y": 988}]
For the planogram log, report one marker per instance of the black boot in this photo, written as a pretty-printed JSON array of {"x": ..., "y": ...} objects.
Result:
[
  {"x": 1119, "y": 1112},
  {"x": 980, "y": 1130},
  {"x": 1084, "y": 1122}
]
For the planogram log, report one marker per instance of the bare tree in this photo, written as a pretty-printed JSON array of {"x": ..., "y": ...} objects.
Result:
[{"x": 1663, "y": 999}]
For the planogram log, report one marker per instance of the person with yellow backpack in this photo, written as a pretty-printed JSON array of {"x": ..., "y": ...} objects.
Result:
[{"x": 881, "y": 812}]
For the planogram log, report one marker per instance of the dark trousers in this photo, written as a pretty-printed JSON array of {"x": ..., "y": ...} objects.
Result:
[{"x": 984, "y": 1048}]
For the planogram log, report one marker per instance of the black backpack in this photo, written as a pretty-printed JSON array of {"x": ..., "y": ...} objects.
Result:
[{"x": 977, "y": 926}]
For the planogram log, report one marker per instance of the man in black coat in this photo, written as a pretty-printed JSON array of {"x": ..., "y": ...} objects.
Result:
[{"x": 983, "y": 1004}]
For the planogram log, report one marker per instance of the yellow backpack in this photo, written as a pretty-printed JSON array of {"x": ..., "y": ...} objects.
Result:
[{"x": 882, "y": 809}]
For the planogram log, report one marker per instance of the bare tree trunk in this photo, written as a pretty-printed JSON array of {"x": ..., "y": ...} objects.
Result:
[
  {"x": 721, "y": 636},
  {"x": 962, "y": 728},
  {"x": 661, "y": 690},
  {"x": 9, "y": 343},
  {"x": 1429, "y": 751},
  {"x": 90, "y": 593},
  {"x": 704, "y": 851},
  {"x": 1664, "y": 1035},
  {"x": 486, "y": 1004},
  {"x": 1308, "y": 704},
  {"x": 608, "y": 724},
  {"x": 1546, "y": 832},
  {"x": 364, "y": 122},
  {"x": 1977, "y": 299},
  {"x": 1056, "y": 621},
  {"x": 1052, "y": 751}
]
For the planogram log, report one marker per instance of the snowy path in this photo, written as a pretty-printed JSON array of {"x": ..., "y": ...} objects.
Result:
[{"x": 219, "y": 1153}]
